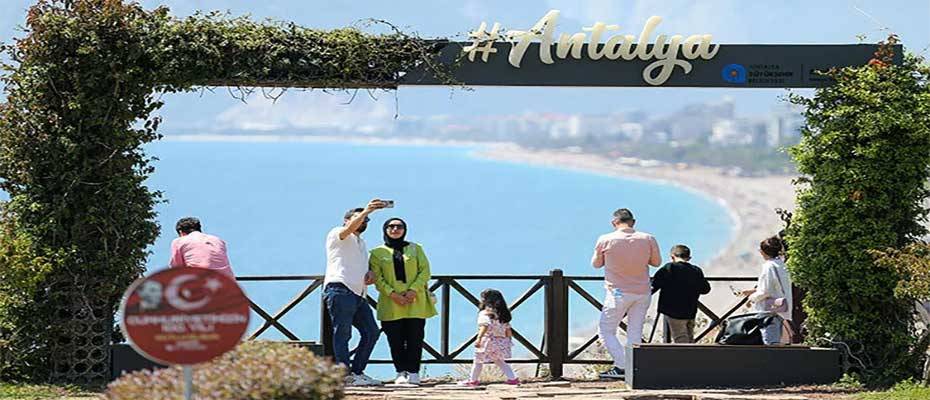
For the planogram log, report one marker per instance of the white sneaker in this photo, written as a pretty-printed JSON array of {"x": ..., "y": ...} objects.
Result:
[
  {"x": 365, "y": 380},
  {"x": 401, "y": 379},
  {"x": 413, "y": 378}
]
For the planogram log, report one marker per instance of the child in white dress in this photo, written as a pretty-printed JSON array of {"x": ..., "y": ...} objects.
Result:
[{"x": 494, "y": 338}]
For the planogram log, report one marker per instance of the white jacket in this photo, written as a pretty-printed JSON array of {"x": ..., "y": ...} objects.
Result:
[{"x": 769, "y": 286}]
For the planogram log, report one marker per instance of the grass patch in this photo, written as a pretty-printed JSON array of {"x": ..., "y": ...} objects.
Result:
[
  {"x": 907, "y": 390},
  {"x": 9, "y": 391}
]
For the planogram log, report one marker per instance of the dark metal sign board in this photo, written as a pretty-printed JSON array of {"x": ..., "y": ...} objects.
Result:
[{"x": 733, "y": 66}]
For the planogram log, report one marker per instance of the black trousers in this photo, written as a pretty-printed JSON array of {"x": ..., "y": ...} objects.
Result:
[{"x": 405, "y": 337}]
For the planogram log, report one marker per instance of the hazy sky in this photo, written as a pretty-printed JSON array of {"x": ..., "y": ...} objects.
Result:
[{"x": 730, "y": 21}]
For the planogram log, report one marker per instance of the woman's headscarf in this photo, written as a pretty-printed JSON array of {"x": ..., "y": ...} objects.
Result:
[{"x": 398, "y": 245}]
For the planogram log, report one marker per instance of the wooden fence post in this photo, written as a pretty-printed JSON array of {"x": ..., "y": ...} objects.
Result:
[{"x": 556, "y": 323}]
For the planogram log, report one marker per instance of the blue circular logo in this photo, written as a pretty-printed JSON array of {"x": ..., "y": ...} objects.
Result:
[{"x": 734, "y": 73}]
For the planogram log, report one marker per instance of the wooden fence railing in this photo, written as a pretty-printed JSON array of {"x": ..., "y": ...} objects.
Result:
[{"x": 556, "y": 288}]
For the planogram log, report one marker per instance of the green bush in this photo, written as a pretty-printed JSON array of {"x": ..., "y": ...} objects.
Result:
[
  {"x": 253, "y": 371},
  {"x": 913, "y": 264},
  {"x": 864, "y": 158}
]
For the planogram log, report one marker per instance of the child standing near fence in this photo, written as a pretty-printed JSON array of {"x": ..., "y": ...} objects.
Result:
[{"x": 494, "y": 338}]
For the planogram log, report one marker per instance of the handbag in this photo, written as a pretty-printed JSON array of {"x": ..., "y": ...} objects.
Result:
[
  {"x": 779, "y": 304},
  {"x": 744, "y": 329}
]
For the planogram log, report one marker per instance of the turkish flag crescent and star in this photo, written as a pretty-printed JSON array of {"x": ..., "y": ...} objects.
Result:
[{"x": 184, "y": 316}]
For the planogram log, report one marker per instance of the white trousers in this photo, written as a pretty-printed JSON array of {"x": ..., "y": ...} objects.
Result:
[{"x": 616, "y": 306}]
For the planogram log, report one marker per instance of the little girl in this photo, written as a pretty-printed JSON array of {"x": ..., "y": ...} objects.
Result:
[{"x": 493, "y": 343}]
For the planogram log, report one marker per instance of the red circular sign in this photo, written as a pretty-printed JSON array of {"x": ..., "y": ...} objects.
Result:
[{"x": 184, "y": 315}]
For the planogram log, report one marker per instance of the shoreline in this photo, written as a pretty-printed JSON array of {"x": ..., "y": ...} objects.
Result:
[
  {"x": 543, "y": 158},
  {"x": 748, "y": 201}
]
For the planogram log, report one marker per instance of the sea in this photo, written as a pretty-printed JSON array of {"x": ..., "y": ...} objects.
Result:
[{"x": 273, "y": 202}]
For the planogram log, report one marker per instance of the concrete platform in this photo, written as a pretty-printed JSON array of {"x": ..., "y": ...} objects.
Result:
[{"x": 582, "y": 390}]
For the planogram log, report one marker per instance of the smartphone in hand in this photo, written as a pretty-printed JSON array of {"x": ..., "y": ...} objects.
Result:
[{"x": 388, "y": 203}]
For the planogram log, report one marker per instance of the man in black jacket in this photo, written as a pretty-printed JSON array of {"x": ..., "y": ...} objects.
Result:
[{"x": 680, "y": 284}]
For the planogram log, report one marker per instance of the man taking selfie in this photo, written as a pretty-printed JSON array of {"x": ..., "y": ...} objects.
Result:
[{"x": 345, "y": 289}]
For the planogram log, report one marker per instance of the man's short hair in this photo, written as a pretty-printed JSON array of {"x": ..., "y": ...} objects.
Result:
[
  {"x": 624, "y": 215},
  {"x": 187, "y": 225},
  {"x": 771, "y": 247},
  {"x": 681, "y": 251},
  {"x": 352, "y": 212}
]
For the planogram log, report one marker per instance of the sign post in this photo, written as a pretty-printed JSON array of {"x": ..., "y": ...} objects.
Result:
[{"x": 184, "y": 316}]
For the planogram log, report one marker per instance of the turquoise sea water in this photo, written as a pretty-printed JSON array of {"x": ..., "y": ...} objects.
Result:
[{"x": 274, "y": 202}]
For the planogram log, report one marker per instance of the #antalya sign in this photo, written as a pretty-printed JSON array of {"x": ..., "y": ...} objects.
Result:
[{"x": 665, "y": 52}]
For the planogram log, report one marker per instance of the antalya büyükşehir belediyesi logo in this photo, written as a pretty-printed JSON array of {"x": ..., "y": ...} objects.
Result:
[{"x": 734, "y": 73}]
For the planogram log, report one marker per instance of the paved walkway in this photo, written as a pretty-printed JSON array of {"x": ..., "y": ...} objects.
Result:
[{"x": 562, "y": 390}]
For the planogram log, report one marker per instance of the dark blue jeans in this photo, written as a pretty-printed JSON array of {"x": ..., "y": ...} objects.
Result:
[{"x": 348, "y": 309}]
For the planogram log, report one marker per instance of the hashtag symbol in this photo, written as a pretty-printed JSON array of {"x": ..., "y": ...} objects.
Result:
[{"x": 483, "y": 41}]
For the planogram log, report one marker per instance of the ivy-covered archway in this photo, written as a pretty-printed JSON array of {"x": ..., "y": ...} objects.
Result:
[{"x": 82, "y": 87}]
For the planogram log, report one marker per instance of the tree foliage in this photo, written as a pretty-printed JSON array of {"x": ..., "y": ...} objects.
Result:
[
  {"x": 864, "y": 159},
  {"x": 82, "y": 87},
  {"x": 912, "y": 263}
]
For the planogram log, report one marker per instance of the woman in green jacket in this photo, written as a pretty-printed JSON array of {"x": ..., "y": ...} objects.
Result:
[{"x": 404, "y": 302}]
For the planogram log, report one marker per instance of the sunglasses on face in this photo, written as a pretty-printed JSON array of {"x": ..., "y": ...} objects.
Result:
[{"x": 392, "y": 226}]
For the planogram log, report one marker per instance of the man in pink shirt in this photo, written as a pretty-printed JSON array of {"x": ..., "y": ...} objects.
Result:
[
  {"x": 194, "y": 248},
  {"x": 626, "y": 256}
]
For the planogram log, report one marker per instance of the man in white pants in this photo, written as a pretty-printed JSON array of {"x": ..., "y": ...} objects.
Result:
[{"x": 626, "y": 256}]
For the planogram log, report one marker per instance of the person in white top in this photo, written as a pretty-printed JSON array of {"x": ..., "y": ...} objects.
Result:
[
  {"x": 345, "y": 289},
  {"x": 772, "y": 294}
]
